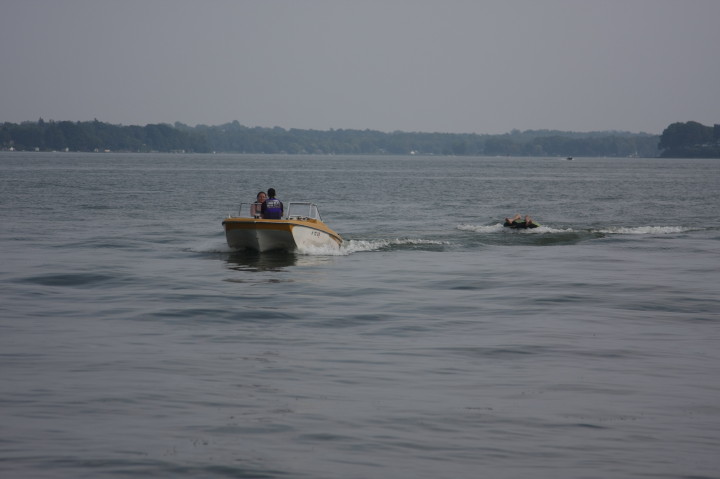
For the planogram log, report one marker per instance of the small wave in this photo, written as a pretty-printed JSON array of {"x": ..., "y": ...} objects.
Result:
[
  {"x": 70, "y": 279},
  {"x": 635, "y": 230},
  {"x": 481, "y": 228},
  {"x": 321, "y": 251},
  {"x": 358, "y": 246},
  {"x": 643, "y": 230},
  {"x": 347, "y": 248},
  {"x": 210, "y": 246},
  {"x": 499, "y": 228}
]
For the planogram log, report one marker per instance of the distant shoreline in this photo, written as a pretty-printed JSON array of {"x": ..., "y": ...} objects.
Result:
[
  {"x": 234, "y": 138},
  {"x": 678, "y": 140}
]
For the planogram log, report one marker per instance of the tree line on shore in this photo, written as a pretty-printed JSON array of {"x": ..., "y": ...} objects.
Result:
[{"x": 689, "y": 139}]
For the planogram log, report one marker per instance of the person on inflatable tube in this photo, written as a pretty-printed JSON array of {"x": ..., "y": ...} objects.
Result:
[{"x": 518, "y": 221}]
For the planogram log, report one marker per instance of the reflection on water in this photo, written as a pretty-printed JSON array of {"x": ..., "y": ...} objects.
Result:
[
  {"x": 253, "y": 261},
  {"x": 249, "y": 260}
]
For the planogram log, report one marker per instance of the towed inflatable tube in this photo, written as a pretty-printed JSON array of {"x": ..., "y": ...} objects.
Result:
[{"x": 520, "y": 225}]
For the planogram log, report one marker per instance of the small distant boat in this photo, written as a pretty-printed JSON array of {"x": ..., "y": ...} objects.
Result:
[
  {"x": 569, "y": 158},
  {"x": 301, "y": 227}
]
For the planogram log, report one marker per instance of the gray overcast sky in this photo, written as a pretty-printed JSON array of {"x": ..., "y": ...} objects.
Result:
[{"x": 462, "y": 66}]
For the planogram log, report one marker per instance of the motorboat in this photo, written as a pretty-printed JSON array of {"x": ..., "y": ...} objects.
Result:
[{"x": 300, "y": 228}]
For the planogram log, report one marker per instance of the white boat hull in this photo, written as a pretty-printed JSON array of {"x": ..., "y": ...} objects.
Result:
[{"x": 290, "y": 235}]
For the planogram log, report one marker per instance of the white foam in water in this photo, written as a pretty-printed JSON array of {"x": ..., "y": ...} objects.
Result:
[
  {"x": 358, "y": 246},
  {"x": 321, "y": 251},
  {"x": 481, "y": 228},
  {"x": 644, "y": 230},
  {"x": 347, "y": 248},
  {"x": 211, "y": 246},
  {"x": 637, "y": 230},
  {"x": 498, "y": 228}
]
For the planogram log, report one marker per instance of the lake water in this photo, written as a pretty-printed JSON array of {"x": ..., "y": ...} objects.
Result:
[{"x": 436, "y": 344}]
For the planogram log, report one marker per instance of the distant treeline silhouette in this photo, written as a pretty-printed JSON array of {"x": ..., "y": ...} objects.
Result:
[
  {"x": 98, "y": 136},
  {"x": 234, "y": 137},
  {"x": 679, "y": 139},
  {"x": 690, "y": 140}
]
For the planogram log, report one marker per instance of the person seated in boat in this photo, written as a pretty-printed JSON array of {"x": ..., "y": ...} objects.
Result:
[
  {"x": 518, "y": 221},
  {"x": 272, "y": 208},
  {"x": 255, "y": 207}
]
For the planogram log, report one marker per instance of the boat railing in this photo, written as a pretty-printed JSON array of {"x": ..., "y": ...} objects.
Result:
[{"x": 297, "y": 210}]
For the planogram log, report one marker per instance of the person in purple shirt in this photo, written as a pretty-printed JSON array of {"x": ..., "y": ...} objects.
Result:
[{"x": 272, "y": 208}]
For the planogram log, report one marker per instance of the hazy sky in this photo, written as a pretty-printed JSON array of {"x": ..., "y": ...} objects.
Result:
[{"x": 462, "y": 66}]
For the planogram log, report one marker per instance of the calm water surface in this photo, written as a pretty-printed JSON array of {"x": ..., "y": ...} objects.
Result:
[{"x": 134, "y": 343}]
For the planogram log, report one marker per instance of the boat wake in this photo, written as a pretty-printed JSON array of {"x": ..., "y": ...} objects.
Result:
[
  {"x": 359, "y": 246},
  {"x": 349, "y": 247},
  {"x": 543, "y": 234},
  {"x": 209, "y": 246},
  {"x": 620, "y": 230},
  {"x": 499, "y": 228},
  {"x": 643, "y": 230}
]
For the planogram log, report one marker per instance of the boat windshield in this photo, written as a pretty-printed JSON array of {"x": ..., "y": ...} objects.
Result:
[
  {"x": 293, "y": 211},
  {"x": 301, "y": 210}
]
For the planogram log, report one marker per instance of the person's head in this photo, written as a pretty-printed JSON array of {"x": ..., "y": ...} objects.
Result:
[
  {"x": 271, "y": 192},
  {"x": 261, "y": 197}
]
